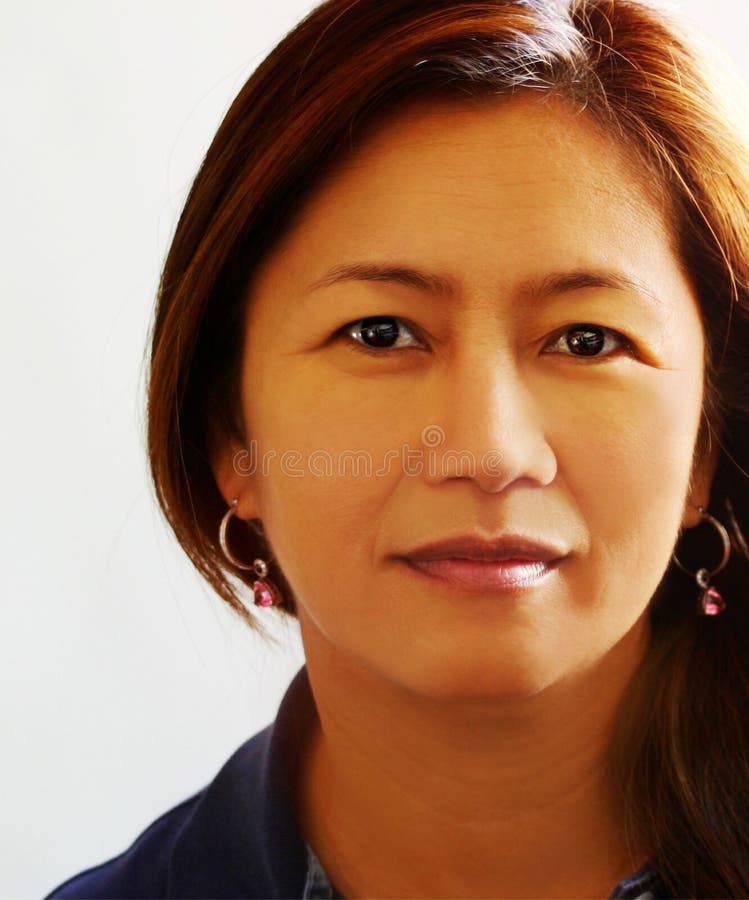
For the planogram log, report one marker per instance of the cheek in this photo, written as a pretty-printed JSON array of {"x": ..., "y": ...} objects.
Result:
[
  {"x": 627, "y": 462},
  {"x": 322, "y": 474}
]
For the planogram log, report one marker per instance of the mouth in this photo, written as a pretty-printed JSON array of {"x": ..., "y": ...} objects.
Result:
[
  {"x": 484, "y": 574},
  {"x": 475, "y": 561}
]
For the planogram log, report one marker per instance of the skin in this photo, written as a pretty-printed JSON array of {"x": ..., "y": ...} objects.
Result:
[{"x": 464, "y": 735}]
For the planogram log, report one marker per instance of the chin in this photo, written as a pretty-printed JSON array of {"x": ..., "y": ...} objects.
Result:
[{"x": 472, "y": 677}]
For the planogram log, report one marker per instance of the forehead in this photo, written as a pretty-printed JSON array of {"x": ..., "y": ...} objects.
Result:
[
  {"x": 497, "y": 192},
  {"x": 489, "y": 153}
]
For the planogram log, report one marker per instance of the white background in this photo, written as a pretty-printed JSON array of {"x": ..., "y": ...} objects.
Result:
[{"x": 125, "y": 684}]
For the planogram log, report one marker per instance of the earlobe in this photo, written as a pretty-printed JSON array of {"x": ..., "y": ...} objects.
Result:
[{"x": 232, "y": 471}]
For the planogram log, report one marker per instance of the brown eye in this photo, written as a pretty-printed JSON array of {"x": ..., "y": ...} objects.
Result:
[
  {"x": 586, "y": 340},
  {"x": 377, "y": 334}
]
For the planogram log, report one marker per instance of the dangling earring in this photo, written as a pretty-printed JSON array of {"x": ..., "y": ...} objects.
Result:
[
  {"x": 265, "y": 592},
  {"x": 710, "y": 602}
]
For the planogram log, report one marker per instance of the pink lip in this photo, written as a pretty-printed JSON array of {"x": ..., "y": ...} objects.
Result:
[
  {"x": 499, "y": 548},
  {"x": 482, "y": 575}
]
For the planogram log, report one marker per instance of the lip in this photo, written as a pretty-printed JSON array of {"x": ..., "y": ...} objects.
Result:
[
  {"x": 500, "y": 549},
  {"x": 484, "y": 575},
  {"x": 475, "y": 562}
]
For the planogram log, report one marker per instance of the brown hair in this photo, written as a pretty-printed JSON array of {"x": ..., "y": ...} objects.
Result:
[{"x": 681, "y": 753}]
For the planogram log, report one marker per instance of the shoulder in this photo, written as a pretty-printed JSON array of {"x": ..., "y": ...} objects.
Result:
[
  {"x": 237, "y": 837},
  {"x": 140, "y": 871}
]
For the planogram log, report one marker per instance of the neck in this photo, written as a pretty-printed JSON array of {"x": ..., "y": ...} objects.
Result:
[{"x": 402, "y": 795}]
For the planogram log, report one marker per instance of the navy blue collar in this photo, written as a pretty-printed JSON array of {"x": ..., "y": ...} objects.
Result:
[{"x": 242, "y": 839}]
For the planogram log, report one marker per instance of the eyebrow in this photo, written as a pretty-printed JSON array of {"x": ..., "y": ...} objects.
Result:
[
  {"x": 446, "y": 286},
  {"x": 428, "y": 282}
]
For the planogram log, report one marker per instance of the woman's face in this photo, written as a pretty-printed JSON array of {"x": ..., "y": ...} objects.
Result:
[{"x": 486, "y": 415}]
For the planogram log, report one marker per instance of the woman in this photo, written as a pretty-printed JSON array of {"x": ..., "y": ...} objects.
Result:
[{"x": 456, "y": 317}]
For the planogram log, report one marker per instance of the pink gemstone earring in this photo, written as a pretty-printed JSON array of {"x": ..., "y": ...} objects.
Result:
[
  {"x": 265, "y": 592},
  {"x": 709, "y": 600}
]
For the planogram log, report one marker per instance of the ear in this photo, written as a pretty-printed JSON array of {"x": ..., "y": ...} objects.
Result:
[
  {"x": 233, "y": 467},
  {"x": 701, "y": 482}
]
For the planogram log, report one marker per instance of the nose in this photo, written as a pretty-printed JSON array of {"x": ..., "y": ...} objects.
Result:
[{"x": 487, "y": 426}]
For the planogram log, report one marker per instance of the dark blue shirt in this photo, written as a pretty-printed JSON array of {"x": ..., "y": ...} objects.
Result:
[{"x": 238, "y": 836}]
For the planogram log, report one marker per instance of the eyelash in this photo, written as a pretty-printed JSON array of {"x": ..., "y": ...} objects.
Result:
[{"x": 624, "y": 343}]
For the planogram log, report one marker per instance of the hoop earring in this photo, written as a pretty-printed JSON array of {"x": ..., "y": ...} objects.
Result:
[
  {"x": 265, "y": 593},
  {"x": 709, "y": 600}
]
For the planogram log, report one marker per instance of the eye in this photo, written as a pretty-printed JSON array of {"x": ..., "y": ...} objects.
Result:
[
  {"x": 382, "y": 335},
  {"x": 377, "y": 335},
  {"x": 584, "y": 340}
]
